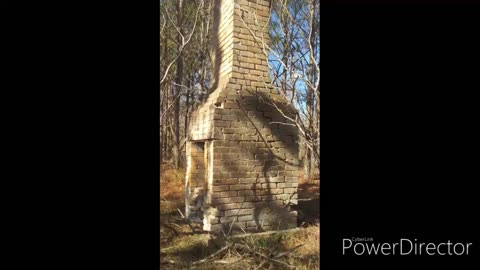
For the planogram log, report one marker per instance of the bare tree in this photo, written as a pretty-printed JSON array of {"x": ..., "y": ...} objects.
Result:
[
  {"x": 292, "y": 49},
  {"x": 183, "y": 69},
  {"x": 294, "y": 63}
]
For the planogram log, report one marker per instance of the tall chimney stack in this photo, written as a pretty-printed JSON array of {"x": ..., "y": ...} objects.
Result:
[{"x": 236, "y": 53}]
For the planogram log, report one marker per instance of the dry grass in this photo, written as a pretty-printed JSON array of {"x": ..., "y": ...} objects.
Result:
[
  {"x": 172, "y": 187},
  {"x": 309, "y": 237},
  {"x": 298, "y": 248},
  {"x": 186, "y": 249},
  {"x": 172, "y": 184},
  {"x": 309, "y": 253}
]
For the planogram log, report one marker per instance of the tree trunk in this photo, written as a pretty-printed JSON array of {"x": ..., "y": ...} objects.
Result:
[
  {"x": 165, "y": 124},
  {"x": 186, "y": 108},
  {"x": 317, "y": 94},
  {"x": 178, "y": 81}
]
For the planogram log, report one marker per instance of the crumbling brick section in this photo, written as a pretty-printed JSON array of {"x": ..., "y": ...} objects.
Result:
[{"x": 242, "y": 152}]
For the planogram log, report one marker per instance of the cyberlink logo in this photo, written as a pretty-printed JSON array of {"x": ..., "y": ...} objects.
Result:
[{"x": 366, "y": 246}]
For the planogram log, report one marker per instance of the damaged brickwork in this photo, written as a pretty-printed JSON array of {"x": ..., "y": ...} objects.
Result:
[{"x": 242, "y": 153}]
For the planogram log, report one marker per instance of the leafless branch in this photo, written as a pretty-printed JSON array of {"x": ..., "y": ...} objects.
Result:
[{"x": 184, "y": 42}]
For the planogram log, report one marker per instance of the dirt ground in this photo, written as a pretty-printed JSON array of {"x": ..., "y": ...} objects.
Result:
[{"x": 183, "y": 245}]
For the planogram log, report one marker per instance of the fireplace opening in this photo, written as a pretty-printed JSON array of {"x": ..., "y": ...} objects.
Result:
[
  {"x": 199, "y": 181},
  {"x": 195, "y": 178}
]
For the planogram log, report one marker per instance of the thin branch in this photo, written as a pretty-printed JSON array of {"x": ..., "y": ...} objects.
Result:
[{"x": 184, "y": 43}]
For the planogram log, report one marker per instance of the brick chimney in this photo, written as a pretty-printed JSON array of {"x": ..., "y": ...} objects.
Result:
[
  {"x": 242, "y": 153},
  {"x": 236, "y": 54}
]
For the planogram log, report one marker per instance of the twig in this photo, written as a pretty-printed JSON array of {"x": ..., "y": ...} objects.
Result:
[
  {"x": 230, "y": 229},
  {"x": 167, "y": 261},
  {"x": 212, "y": 255},
  {"x": 171, "y": 223},
  {"x": 273, "y": 260},
  {"x": 304, "y": 200},
  {"x": 169, "y": 227},
  {"x": 181, "y": 214},
  {"x": 286, "y": 252},
  {"x": 187, "y": 221},
  {"x": 260, "y": 266},
  {"x": 227, "y": 262}
]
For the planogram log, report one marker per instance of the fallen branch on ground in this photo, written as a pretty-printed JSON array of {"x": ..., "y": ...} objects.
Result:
[
  {"x": 212, "y": 255},
  {"x": 170, "y": 228},
  {"x": 187, "y": 221},
  {"x": 167, "y": 261}
]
